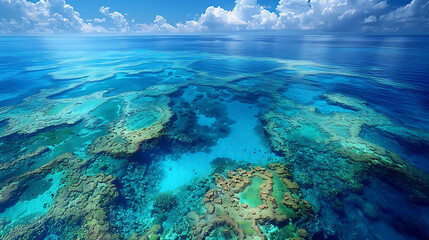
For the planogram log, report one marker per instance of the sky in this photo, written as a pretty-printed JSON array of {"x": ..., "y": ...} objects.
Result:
[{"x": 212, "y": 16}]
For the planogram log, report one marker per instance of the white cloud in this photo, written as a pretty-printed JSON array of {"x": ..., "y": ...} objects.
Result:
[
  {"x": 191, "y": 26},
  {"x": 246, "y": 15},
  {"x": 328, "y": 15},
  {"x": 47, "y": 16},
  {"x": 293, "y": 7},
  {"x": 120, "y": 23},
  {"x": 411, "y": 18},
  {"x": 53, "y": 16},
  {"x": 43, "y": 16},
  {"x": 370, "y": 19},
  {"x": 158, "y": 25},
  {"x": 98, "y": 20},
  {"x": 416, "y": 9},
  {"x": 264, "y": 20}
]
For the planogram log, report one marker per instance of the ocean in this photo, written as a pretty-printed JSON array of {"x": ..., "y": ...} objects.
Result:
[{"x": 245, "y": 136}]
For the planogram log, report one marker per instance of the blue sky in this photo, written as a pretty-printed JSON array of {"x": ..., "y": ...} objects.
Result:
[
  {"x": 146, "y": 10},
  {"x": 203, "y": 16}
]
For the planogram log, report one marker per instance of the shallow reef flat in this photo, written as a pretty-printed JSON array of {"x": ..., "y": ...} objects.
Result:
[{"x": 149, "y": 144}]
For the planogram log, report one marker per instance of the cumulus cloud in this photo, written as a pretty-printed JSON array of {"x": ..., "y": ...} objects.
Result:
[
  {"x": 120, "y": 23},
  {"x": 328, "y": 15},
  {"x": 55, "y": 16},
  {"x": 415, "y": 10},
  {"x": 159, "y": 25},
  {"x": 247, "y": 15},
  {"x": 412, "y": 18},
  {"x": 370, "y": 19},
  {"x": 97, "y": 20},
  {"x": 320, "y": 15},
  {"x": 43, "y": 16}
]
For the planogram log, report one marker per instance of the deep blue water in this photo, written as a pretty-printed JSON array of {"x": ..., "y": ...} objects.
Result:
[{"x": 346, "y": 116}]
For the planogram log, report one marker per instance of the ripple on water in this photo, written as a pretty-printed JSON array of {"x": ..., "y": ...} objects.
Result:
[{"x": 230, "y": 67}]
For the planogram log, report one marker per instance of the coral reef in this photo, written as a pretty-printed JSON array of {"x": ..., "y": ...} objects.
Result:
[
  {"x": 196, "y": 103},
  {"x": 191, "y": 125},
  {"x": 36, "y": 114},
  {"x": 164, "y": 202},
  {"x": 81, "y": 204},
  {"x": 278, "y": 194},
  {"x": 138, "y": 123},
  {"x": 9, "y": 165},
  {"x": 293, "y": 127}
]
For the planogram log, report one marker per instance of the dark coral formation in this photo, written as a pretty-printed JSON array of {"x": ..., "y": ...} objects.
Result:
[
  {"x": 164, "y": 202},
  {"x": 186, "y": 129}
]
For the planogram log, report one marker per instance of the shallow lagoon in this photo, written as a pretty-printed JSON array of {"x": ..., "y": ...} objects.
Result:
[{"x": 214, "y": 137}]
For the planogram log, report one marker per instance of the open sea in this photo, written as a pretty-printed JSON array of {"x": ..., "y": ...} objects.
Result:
[{"x": 214, "y": 137}]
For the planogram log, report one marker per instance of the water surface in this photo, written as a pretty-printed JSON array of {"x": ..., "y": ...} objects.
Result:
[{"x": 216, "y": 137}]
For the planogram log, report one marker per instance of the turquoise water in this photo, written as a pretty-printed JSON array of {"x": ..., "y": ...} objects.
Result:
[{"x": 214, "y": 137}]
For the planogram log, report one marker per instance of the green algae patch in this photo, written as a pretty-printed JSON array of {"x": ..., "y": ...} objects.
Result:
[
  {"x": 250, "y": 196},
  {"x": 247, "y": 227},
  {"x": 279, "y": 190}
]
